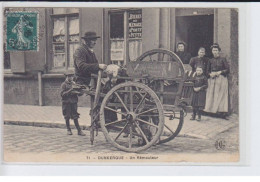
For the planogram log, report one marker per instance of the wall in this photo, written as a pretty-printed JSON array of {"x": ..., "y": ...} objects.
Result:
[
  {"x": 36, "y": 60},
  {"x": 150, "y": 34},
  {"x": 21, "y": 91},
  {"x": 91, "y": 20},
  {"x": 234, "y": 59},
  {"x": 27, "y": 61},
  {"x": 224, "y": 30},
  {"x": 51, "y": 93},
  {"x": 24, "y": 90},
  {"x": 227, "y": 37}
]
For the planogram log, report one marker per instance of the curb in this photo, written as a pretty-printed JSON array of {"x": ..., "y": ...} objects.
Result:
[
  {"x": 42, "y": 124},
  {"x": 194, "y": 136},
  {"x": 83, "y": 127}
]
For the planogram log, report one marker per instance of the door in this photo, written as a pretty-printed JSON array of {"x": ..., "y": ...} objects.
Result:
[{"x": 196, "y": 31}]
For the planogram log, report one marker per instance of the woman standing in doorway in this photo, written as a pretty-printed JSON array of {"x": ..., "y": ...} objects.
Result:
[
  {"x": 182, "y": 52},
  {"x": 217, "y": 92}
]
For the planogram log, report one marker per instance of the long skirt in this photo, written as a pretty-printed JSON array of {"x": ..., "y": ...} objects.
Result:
[{"x": 217, "y": 95}]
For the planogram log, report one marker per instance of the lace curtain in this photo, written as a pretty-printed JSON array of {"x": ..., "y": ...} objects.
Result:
[
  {"x": 135, "y": 49},
  {"x": 117, "y": 50},
  {"x": 72, "y": 48},
  {"x": 59, "y": 41},
  {"x": 73, "y": 38},
  {"x": 59, "y": 27}
]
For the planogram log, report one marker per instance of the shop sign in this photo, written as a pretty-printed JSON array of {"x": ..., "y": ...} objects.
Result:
[{"x": 135, "y": 24}]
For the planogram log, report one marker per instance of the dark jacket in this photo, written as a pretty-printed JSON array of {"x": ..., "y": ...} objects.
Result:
[
  {"x": 68, "y": 97},
  {"x": 203, "y": 62},
  {"x": 184, "y": 56},
  {"x": 218, "y": 64},
  {"x": 85, "y": 63}
]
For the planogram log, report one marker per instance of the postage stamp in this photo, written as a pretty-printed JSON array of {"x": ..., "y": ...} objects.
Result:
[{"x": 22, "y": 31}]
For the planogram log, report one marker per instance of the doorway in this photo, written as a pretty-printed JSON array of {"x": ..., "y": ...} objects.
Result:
[{"x": 197, "y": 31}]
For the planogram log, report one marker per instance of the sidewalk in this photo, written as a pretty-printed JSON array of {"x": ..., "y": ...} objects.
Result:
[{"x": 51, "y": 116}]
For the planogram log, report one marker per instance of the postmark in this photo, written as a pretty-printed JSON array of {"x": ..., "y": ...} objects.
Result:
[{"x": 22, "y": 31}]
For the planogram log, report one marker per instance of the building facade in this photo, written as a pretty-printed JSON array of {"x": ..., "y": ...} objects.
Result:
[{"x": 34, "y": 78}]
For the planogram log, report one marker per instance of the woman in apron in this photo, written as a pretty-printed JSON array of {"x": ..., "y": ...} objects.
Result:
[{"x": 217, "y": 92}]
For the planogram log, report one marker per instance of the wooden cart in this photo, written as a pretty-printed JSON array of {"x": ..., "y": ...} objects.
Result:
[{"x": 145, "y": 107}]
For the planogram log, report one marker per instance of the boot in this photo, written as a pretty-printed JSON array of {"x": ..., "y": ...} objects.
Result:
[
  {"x": 224, "y": 116},
  {"x": 80, "y": 133},
  {"x": 199, "y": 115},
  {"x": 193, "y": 115},
  {"x": 68, "y": 127},
  {"x": 69, "y": 132},
  {"x": 76, "y": 122},
  {"x": 199, "y": 118}
]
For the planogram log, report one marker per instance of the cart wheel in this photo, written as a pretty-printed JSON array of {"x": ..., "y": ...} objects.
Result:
[
  {"x": 172, "y": 128},
  {"x": 162, "y": 55},
  {"x": 131, "y": 131}
]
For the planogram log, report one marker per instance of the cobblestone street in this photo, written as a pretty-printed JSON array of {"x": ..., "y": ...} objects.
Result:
[
  {"x": 35, "y": 133},
  {"x": 36, "y": 140}
]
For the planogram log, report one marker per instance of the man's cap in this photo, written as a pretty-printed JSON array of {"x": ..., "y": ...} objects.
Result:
[{"x": 90, "y": 35}]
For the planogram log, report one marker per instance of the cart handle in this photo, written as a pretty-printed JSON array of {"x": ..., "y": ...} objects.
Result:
[{"x": 97, "y": 93}]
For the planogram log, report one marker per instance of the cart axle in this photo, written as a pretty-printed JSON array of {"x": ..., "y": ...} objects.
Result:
[{"x": 131, "y": 116}]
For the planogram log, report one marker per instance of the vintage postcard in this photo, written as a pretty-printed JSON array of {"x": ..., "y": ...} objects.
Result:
[{"x": 121, "y": 85}]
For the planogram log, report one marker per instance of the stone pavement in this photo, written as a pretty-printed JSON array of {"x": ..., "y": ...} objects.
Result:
[
  {"x": 55, "y": 140},
  {"x": 51, "y": 116},
  {"x": 43, "y": 116}
]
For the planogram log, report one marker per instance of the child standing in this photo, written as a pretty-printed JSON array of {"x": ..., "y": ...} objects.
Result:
[
  {"x": 199, "y": 93},
  {"x": 70, "y": 103}
]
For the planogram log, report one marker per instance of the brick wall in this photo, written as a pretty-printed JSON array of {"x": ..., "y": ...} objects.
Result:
[
  {"x": 51, "y": 93},
  {"x": 25, "y": 91},
  {"x": 21, "y": 91}
]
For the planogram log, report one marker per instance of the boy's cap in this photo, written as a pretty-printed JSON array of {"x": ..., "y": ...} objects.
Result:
[{"x": 69, "y": 72}]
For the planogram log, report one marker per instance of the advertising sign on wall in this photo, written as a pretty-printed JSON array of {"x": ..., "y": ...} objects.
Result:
[{"x": 135, "y": 24}]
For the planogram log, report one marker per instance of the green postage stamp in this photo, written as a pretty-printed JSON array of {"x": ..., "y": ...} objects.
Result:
[{"x": 22, "y": 31}]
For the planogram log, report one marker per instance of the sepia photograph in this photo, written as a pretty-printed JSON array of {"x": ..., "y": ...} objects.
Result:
[{"x": 121, "y": 85}]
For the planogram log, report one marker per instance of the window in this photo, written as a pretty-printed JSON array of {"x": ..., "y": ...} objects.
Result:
[
  {"x": 125, "y": 36},
  {"x": 65, "y": 39}
]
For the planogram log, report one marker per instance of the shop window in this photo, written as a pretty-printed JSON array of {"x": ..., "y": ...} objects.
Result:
[
  {"x": 125, "y": 36},
  {"x": 65, "y": 40}
]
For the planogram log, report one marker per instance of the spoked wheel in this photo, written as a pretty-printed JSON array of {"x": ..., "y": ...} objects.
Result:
[
  {"x": 172, "y": 127},
  {"x": 134, "y": 103},
  {"x": 163, "y": 55}
]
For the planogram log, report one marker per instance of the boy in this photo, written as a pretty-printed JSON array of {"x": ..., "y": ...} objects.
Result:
[
  {"x": 199, "y": 93},
  {"x": 69, "y": 103}
]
